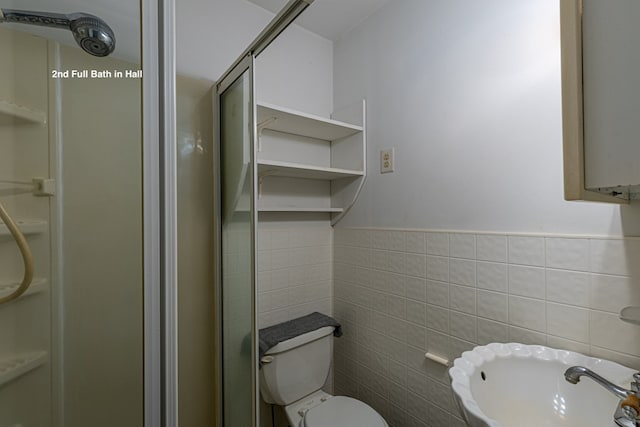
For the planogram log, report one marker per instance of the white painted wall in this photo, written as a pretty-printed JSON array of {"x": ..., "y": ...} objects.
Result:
[
  {"x": 210, "y": 35},
  {"x": 469, "y": 95},
  {"x": 295, "y": 71},
  {"x": 196, "y": 342}
]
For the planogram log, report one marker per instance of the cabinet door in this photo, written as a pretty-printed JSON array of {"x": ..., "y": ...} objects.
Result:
[
  {"x": 601, "y": 99},
  {"x": 611, "y": 72}
]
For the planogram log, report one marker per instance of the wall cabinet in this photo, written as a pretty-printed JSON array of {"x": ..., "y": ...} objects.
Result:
[
  {"x": 308, "y": 163},
  {"x": 601, "y": 99}
]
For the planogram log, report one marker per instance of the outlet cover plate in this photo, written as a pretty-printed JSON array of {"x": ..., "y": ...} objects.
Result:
[{"x": 387, "y": 160}]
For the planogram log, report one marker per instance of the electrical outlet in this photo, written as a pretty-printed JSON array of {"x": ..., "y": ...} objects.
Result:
[{"x": 386, "y": 160}]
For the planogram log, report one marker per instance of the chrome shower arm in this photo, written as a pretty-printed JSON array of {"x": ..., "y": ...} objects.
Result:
[{"x": 44, "y": 19}]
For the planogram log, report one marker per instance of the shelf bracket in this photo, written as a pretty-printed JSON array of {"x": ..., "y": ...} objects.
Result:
[
  {"x": 262, "y": 126},
  {"x": 261, "y": 178}
]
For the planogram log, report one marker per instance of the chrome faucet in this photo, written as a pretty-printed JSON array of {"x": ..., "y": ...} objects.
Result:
[
  {"x": 574, "y": 373},
  {"x": 628, "y": 409}
]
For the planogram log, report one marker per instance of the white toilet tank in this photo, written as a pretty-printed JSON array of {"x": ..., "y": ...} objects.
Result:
[{"x": 299, "y": 366}]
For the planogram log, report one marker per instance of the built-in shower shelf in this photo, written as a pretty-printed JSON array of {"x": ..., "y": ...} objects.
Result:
[
  {"x": 14, "y": 366},
  {"x": 38, "y": 285},
  {"x": 9, "y": 111},
  {"x": 27, "y": 226}
]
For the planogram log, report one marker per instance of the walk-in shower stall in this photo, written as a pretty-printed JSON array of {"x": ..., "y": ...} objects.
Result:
[{"x": 79, "y": 255}]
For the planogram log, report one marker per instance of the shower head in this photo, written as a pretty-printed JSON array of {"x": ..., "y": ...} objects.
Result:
[{"x": 92, "y": 34}]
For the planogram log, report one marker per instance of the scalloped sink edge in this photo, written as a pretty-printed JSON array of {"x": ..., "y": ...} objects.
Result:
[{"x": 464, "y": 367}]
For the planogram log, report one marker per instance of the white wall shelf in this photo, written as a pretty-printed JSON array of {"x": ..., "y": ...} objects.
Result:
[
  {"x": 308, "y": 163},
  {"x": 28, "y": 227},
  {"x": 9, "y": 110},
  {"x": 297, "y": 170},
  {"x": 298, "y": 209},
  {"x": 286, "y": 120},
  {"x": 14, "y": 366},
  {"x": 38, "y": 285}
]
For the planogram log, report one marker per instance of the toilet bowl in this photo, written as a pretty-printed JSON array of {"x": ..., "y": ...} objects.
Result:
[
  {"x": 338, "y": 411},
  {"x": 292, "y": 376}
]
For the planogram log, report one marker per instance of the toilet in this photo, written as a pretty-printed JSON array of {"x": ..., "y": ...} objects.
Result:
[{"x": 292, "y": 375}]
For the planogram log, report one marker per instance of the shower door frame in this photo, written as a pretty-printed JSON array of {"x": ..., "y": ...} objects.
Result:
[
  {"x": 245, "y": 66},
  {"x": 160, "y": 213},
  {"x": 245, "y": 62}
]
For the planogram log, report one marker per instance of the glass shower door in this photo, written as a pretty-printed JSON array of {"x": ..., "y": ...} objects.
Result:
[
  {"x": 237, "y": 233},
  {"x": 71, "y": 345}
]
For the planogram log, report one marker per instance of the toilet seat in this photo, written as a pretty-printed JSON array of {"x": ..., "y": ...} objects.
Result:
[{"x": 342, "y": 411}]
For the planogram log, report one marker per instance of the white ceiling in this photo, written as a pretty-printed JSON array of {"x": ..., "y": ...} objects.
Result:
[{"x": 330, "y": 19}]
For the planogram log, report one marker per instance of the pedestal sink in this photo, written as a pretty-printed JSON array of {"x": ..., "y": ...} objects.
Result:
[{"x": 517, "y": 385}]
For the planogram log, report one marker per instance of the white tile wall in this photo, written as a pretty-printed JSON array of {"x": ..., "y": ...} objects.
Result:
[
  {"x": 401, "y": 293},
  {"x": 491, "y": 248},
  {"x": 294, "y": 272}
]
